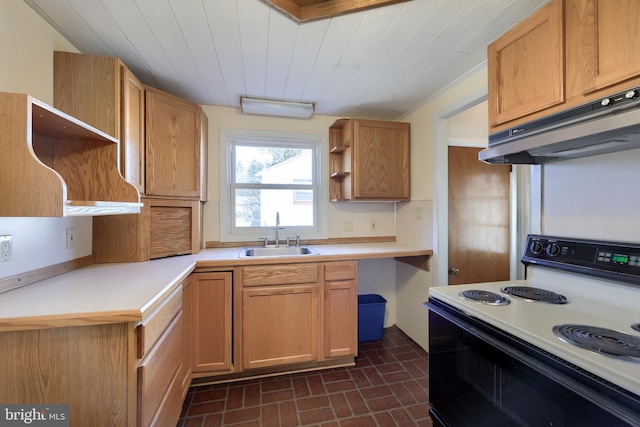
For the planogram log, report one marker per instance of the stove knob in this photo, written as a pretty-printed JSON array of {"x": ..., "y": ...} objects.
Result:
[
  {"x": 553, "y": 249},
  {"x": 536, "y": 247},
  {"x": 630, "y": 94},
  {"x": 605, "y": 102}
]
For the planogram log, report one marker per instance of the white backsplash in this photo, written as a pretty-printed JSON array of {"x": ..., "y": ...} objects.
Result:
[{"x": 594, "y": 197}]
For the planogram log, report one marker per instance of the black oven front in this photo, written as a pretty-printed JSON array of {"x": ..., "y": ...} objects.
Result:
[{"x": 480, "y": 376}]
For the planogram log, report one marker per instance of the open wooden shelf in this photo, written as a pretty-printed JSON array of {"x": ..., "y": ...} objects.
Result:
[{"x": 54, "y": 165}]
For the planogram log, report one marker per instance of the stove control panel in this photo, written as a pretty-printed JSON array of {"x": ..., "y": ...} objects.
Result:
[{"x": 612, "y": 260}]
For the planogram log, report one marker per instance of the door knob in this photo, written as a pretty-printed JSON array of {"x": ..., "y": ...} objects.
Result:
[{"x": 454, "y": 271}]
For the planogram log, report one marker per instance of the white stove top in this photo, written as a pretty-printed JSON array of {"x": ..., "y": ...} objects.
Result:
[{"x": 594, "y": 302}]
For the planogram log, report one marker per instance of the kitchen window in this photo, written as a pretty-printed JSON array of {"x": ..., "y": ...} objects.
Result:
[{"x": 264, "y": 173}]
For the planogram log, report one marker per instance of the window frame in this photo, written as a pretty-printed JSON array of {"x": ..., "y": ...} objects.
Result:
[{"x": 228, "y": 139}]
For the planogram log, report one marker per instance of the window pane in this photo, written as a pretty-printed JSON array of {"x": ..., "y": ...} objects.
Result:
[
  {"x": 257, "y": 208},
  {"x": 273, "y": 165}
]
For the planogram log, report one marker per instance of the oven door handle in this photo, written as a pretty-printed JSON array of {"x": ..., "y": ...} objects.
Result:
[{"x": 599, "y": 399}]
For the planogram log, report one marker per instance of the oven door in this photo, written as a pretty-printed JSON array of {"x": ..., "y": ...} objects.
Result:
[{"x": 480, "y": 376}]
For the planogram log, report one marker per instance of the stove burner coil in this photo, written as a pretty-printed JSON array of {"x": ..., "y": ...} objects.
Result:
[
  {"x": 601, "y": 340},
  {"x": 532, "y": 294},
  {"x": 485, "y": 297}
]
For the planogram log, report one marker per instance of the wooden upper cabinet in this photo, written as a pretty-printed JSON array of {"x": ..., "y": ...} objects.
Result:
[
  {"x": 526, "y": 66},
  {"x": 172, "y": 145},
  {"x": 87, "y": 87},
  {"x": 369, "y": 160},
  {"x": 102, "y": 92},
  {"x": 606, "y": 35}
]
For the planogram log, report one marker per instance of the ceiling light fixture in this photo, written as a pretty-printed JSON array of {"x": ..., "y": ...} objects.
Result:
[{"x": 268, "y": 107}]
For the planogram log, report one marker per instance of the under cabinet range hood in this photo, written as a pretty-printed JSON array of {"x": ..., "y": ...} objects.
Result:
[{"x": 603, "y": 126}]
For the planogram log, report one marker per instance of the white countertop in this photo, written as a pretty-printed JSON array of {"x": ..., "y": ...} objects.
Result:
[{"x": 126, "y": 292}]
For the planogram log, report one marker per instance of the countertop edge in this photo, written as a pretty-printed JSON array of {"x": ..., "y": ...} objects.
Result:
[{"x": 180, "y": 271}]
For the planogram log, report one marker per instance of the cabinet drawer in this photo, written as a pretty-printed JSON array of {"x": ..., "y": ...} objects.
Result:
[
  {"x": 280, "y": 275},
  {"x": 171, "y": 406},
  {"x": 148, "y": 332},
  {"x": 334, "y": 271},
  {"x": 174, "y": 227},
  {"x": 158, "y": 370}
]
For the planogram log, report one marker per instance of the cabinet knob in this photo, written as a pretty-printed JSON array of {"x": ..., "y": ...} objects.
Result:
[{"x": 454, "y": 271}]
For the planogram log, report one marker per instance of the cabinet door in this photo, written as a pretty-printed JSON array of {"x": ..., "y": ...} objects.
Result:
[
  {"x": 174, "y": 227},
  {"x": 87, "y": 87},
  {"x": 613, "y": 33},
  {"x": 526, "y": 66},
  {"x": 204, "y": 155},
  {"x": 132, "y": 152},
  {"x": 279, "y": 325},
  {"x": 340, "y": 309},
  {"x": 380, "y": 160},
  {"x": 172, "y": 145},
  {"x": 211, "y": 319}
]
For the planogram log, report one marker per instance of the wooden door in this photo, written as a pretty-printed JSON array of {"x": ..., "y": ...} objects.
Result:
[
  {"x": 211, "y": 320},
  {"x": 132, "y": 151},
  {"x": 172, "y": 146},
  {"x": 340, "y": 309},
  {"x": 479, "y": 218},
  {"x": 615, "y": 53},
  {"x": 380, "y": 160},
  {"x": 526, "y": 66},
  {"x": 279, "y": 325}
]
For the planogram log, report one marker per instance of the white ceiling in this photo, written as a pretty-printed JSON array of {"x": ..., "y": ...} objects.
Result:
[{"x": 378, "y": 64}]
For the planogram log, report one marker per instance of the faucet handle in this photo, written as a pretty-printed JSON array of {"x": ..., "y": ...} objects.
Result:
[
  {"x": 263, "y": 239},
  {"x": 296, "y": 238}
]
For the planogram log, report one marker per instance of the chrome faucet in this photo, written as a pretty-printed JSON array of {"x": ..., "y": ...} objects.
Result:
[{"x": 277, "y": 228}]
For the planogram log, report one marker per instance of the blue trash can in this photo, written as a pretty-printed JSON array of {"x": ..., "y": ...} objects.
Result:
[{"x": 370, "y": 317}]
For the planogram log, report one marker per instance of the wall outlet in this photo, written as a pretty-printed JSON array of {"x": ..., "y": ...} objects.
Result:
[
  {"x": 418, "y": 212},
  {"x": 5, "y": 248},
  {"x": 347, "y": 226},
  {"x": 71, "y": 238},
  {"x": 373, "y": 225}
]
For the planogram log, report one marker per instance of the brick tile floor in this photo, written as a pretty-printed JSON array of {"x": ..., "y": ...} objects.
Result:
[{"x": 387, "y": 387}]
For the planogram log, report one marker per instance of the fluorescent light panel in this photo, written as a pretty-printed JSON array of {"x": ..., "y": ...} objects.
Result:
[{"x": 268, "y": 107}]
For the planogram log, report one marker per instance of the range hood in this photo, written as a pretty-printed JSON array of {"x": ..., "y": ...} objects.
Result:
[{"x": 602, "y": 126}]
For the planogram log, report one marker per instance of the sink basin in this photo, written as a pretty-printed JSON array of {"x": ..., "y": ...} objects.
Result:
[{"x": 271, "y": 251}]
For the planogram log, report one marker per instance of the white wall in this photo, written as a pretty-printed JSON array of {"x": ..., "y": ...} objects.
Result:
[
  {"x": 429, "y": 140},
  {"x": 27, "y": 43},
  {"x": 232, "y": 118}
]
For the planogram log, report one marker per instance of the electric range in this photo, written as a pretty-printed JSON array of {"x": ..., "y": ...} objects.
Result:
[{"x": 576, "y": 290}]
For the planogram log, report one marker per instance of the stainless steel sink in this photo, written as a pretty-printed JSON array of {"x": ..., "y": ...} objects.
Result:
[{"x": 272, "y": 251}]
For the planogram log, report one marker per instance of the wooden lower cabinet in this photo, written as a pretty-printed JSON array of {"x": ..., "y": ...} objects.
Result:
[
  {"x": 279, "y": 325},
  {"x": 255, "y": 320},
  {"x": 160, "y": 379},
  {"x": 209, "y": 297},
  {"x": 297, "y": 314},
  {"x": 90, "y": 368}
]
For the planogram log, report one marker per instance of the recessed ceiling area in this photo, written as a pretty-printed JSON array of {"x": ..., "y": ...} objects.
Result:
[{"x": 309, "y": 10}]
